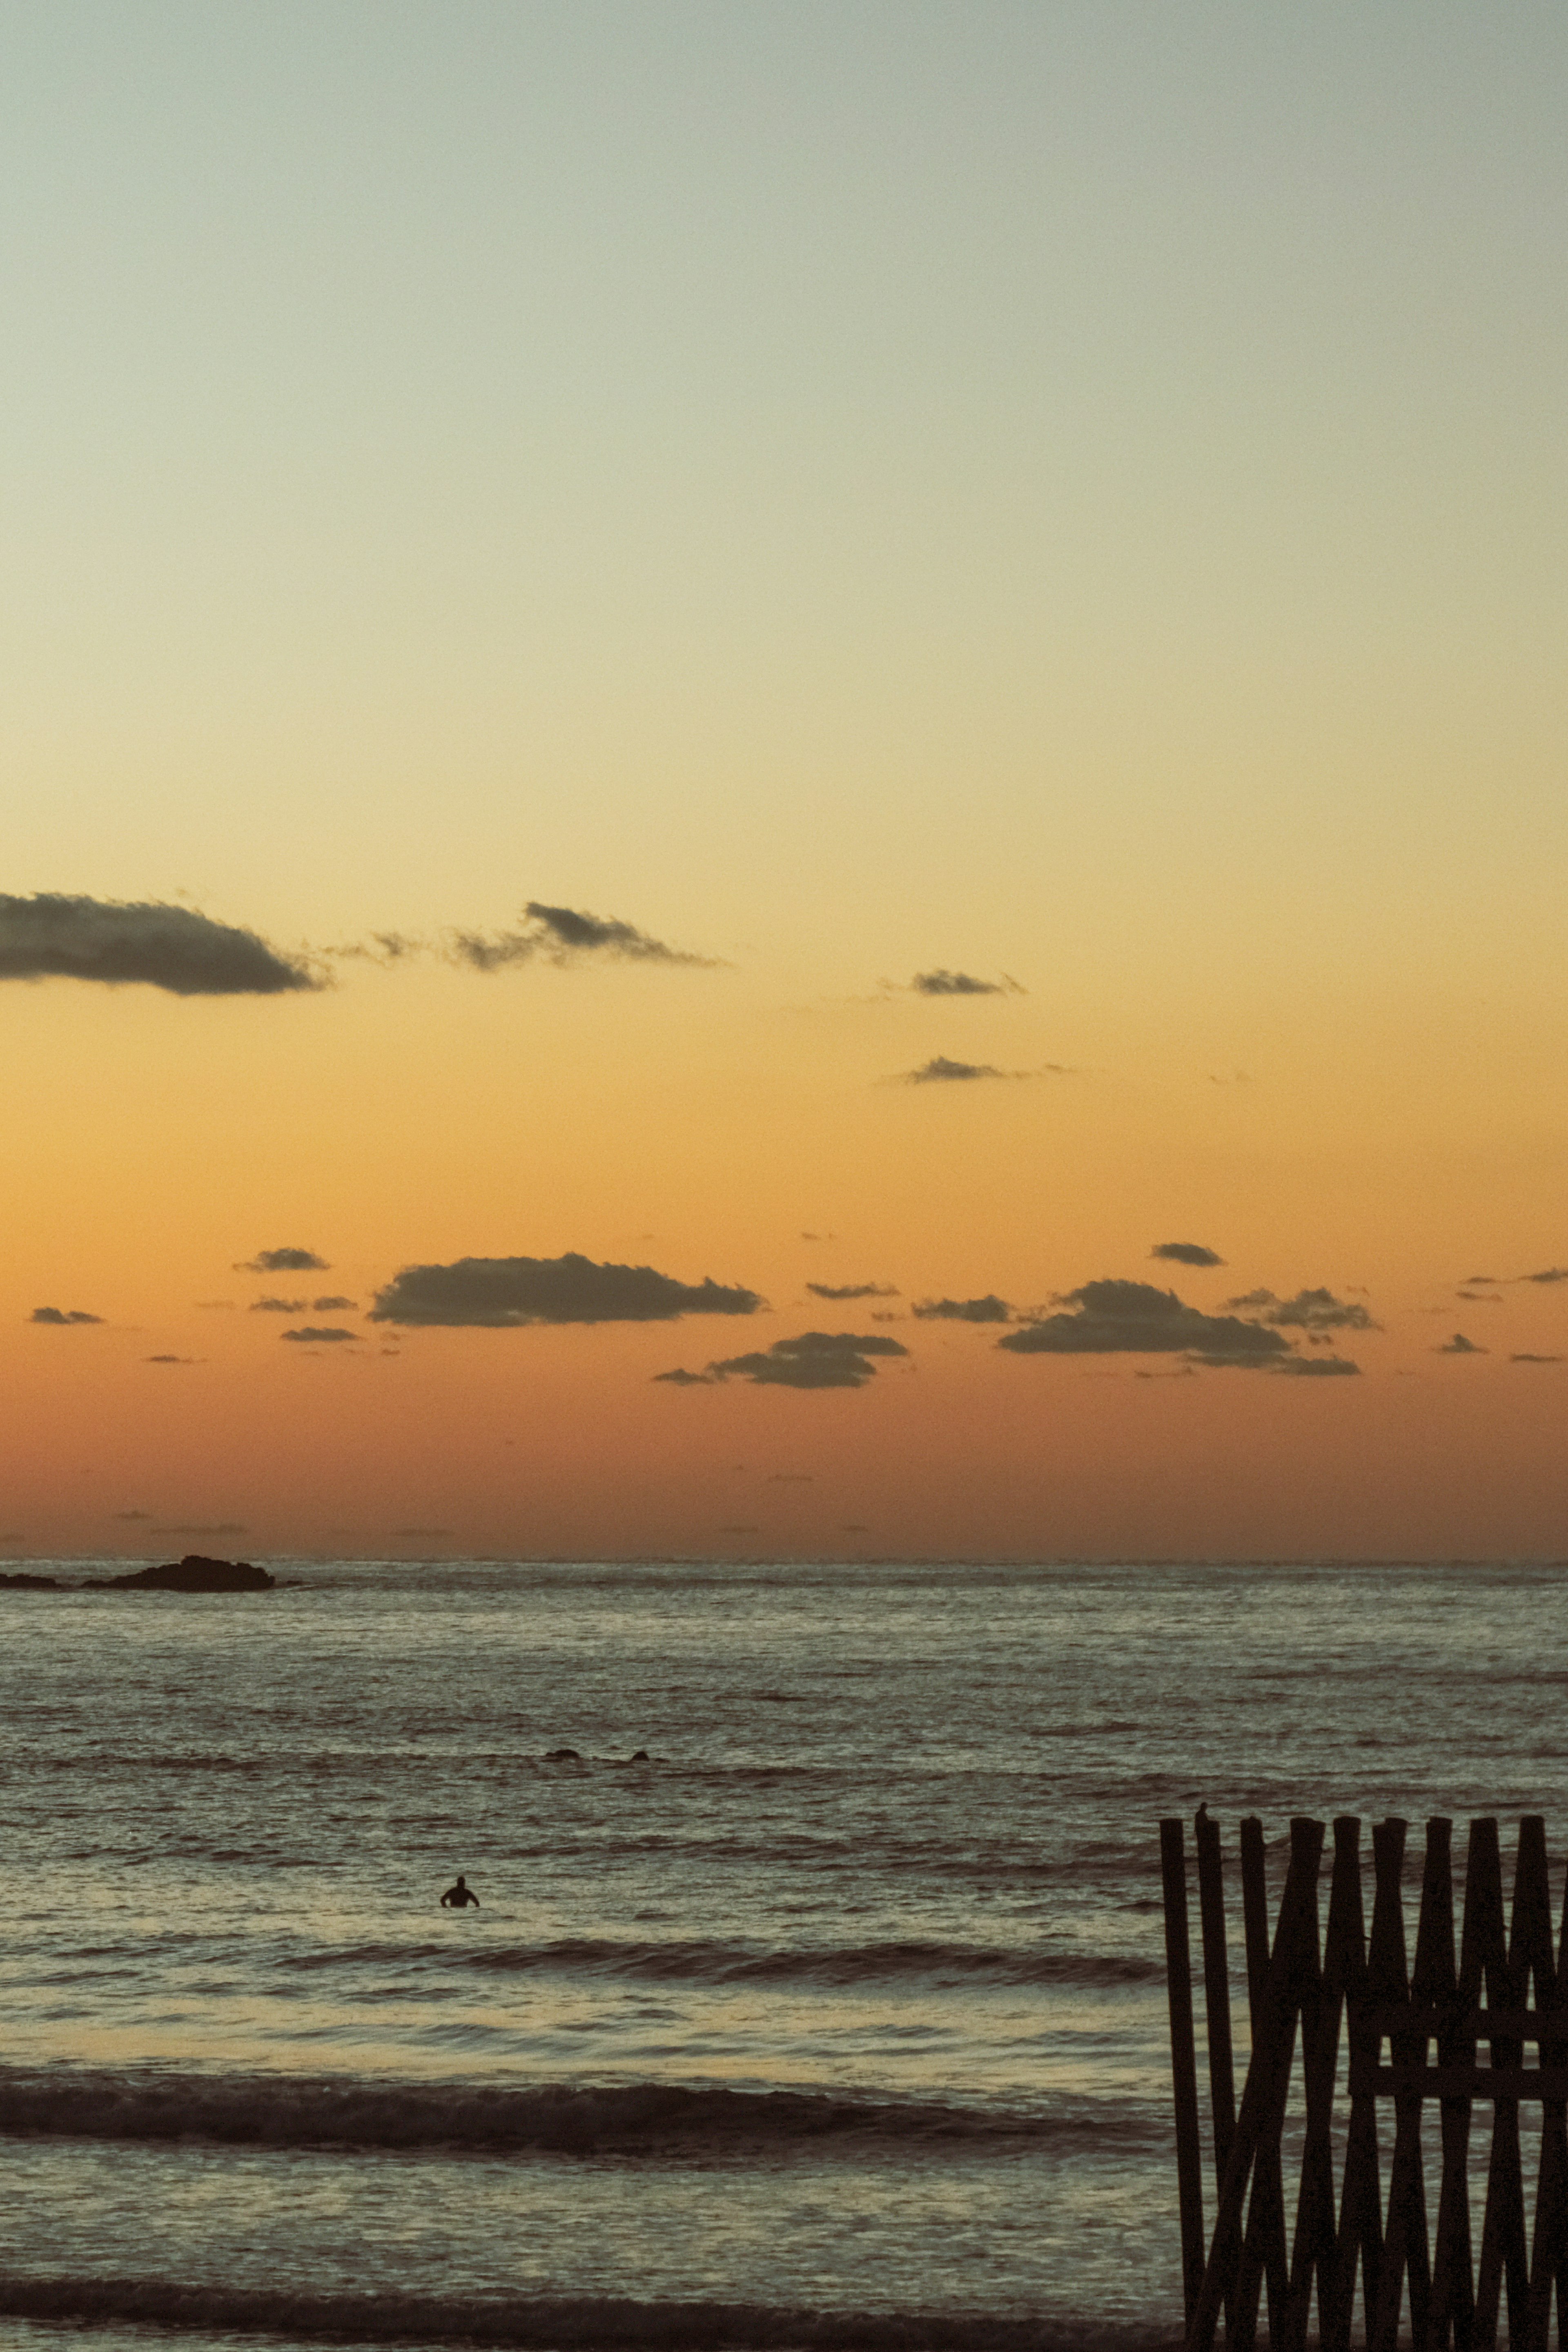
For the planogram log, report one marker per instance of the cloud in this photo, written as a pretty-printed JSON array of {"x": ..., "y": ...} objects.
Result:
[
  {"x": 1310, "y": 1310},
  {"x": 1186, "y": 1254},
  {"x": 54, "y": 937},
  {"x": 335, "y": 1306},
  {"x": 1483, "y": 1277},
  {"x": 170, "y": 1359},
  {"x": 940, "y": 1071},
  {"x": 991, "y": 1310},
  {"x": 314, "y": 1335},
  {"x": 817, "y": 1359},
  {"x": 964, "y": 983},
  {"x": 283, "y": 1261},
  {"x": 562, "y": 934},
  {"x": 1535, "y": 1360},
  {"x": 62, "y": 1314},
  {"x": 502, "y": 1293},
  {"x": 1479, "y": 1298},
  {"x": 1459, "y": 1346},
  {"x": 1547, "y": 1274},
  {"x": 840, "y": 1290},
  {"x": 1114, "y": 1318},
  {"x": 279, "y": 1306},
  {"x": 1314, "y": 1368}
]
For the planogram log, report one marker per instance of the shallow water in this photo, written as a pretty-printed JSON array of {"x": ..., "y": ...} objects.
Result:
[{"x": 848, "y": 2000}]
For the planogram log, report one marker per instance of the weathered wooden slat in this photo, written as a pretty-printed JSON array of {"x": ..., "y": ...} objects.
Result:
[
  {"x": 1268, "y": 2084},
  {"x": 1405, "y": 2247},
  {"x": 1184, "y": 2058},
  {"x": 1464, "y": 2018},
  {"x": 1488, "y": 2082},
  {"x": 1216, "y": 1989},
  {"x": 1263, "y": 2254},
  {"x": 1436, "y": 1979},
  {"x": 1361, "y": 2194},
  {"x": 1484, "y": 1960}
]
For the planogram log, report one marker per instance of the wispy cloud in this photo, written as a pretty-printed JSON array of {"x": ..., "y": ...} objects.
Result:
[
  {"x": 989, "y": 1309},
  {"x": 314, "y": 1335},
  {"x": 563, "y": 935},
  {"x": 62, "y": 1314},
  {"x": 1186, "y": 1254},
  {"x": 1459, "y": 1346},
  {"x": 501, "y": 1293},
  {"x": 283, "y": 1261},
  {"x": 1310, "y": 1310},
  {"x": 964, "y": 983},
  {"x": 120, "y": 943},
  {"x": 842, "y": 1290}
]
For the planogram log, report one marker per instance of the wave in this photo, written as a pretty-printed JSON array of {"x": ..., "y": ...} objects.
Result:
[
  {"x": 561, "y": 2119},
  {"x": 561, "y": 2322},
  {"x": 699, "y": 1960}
]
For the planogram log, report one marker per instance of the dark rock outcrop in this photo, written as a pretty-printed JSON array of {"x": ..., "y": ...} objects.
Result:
[
  {"x": 195, "y": 1573},
  {"x": 22, "y": 1584}
]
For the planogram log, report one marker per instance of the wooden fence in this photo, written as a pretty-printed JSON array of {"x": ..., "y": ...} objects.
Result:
[{"x": 1310, "y": 1980}]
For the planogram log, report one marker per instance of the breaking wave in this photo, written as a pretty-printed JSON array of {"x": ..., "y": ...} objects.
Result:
[
  {"x": 561, "y": 2322},
  {"x": 278, "y": 2111}
]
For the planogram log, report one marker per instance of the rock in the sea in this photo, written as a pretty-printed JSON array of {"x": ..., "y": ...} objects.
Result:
[
  {"x": 23, "y": 1583},
  {"x": 196, "y": 1574}
]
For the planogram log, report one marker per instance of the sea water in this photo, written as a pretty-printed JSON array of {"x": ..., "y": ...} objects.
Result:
[{"x": 837, "y": 2017}]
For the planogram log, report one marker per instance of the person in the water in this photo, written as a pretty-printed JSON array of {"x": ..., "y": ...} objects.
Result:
[{"x": 456, "y": 1897}]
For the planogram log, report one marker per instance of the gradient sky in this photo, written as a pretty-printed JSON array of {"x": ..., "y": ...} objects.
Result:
[{"x": 1070, "y": 495}]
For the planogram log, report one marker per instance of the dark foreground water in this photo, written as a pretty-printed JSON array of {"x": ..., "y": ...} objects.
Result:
[{"x": 838, "y": 2021}]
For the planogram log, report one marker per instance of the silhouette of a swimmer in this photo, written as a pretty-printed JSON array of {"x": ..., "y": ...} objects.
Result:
[{"x": 456, "y": 1897}]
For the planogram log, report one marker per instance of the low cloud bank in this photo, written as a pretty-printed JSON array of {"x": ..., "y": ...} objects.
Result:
[
  {"x": 62, "y": 1314},
  {"x": 504, "y": 1293},
  {"x": 121, "y": 943}
]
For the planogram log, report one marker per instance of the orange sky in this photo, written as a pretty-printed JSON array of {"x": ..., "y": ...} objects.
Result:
[{"x": 1067, "y": 497}]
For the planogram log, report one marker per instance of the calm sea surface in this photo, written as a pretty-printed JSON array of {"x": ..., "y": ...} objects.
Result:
[{"x": 847, "y": 2000}]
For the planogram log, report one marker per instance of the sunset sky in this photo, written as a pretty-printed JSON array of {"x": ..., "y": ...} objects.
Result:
[{"x": 906, "y": 650}]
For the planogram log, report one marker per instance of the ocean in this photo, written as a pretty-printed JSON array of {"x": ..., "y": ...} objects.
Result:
[{"x": 835, "y": 2018}]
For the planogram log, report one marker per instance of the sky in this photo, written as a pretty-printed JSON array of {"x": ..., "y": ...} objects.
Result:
[{"x": 862, "y": 703}]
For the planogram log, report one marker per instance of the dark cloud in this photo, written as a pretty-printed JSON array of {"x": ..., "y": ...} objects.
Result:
[
  {"x": 283, "y": 1261},
  {"x": 1459, "y": 1346},
  {"x": 279, "y": 1306},
  {"x": 335, "y": 1306},
  {"x": 314, "y": 1335},
  {"x": 853, "y": 1289},
  {"x": 499, "y": 1293},
  {"x": 963, "y": 984},
  {"x": 562, "y": 934},
  {"x": 170, "y": 1359},
  {"x": 1310, "y": 1310},
  {"x": 940, "y": 1071},
  {"x": 62, "y": 1314},
  {"x": 1186, "y": 1254},
  {"x": 817, "y": 1359},
  {"x": 1547, "y": 1274},
  {"x": 1114, "y": 1318},
  {"x": 1314, "y": 1367},
  {"x": 52, "y": 937},
  {"x": 1479, "y": 1298},
  {"x": 1535, "y": 1360},
  {"x": 1483, "y": 1277},
  {"x": 989, "y": 1309}
]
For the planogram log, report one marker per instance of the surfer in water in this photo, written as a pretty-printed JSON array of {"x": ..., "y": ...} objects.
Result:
[{"x": 457, "y": 1899}]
